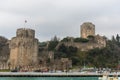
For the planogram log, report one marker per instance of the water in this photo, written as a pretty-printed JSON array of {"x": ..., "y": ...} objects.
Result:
[{"x": 48, "y": 78}]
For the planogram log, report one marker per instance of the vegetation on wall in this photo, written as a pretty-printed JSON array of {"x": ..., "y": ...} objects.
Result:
[
  {"x": 67, "y": 52},
  {"x": 65, "y": 39},
  {"x": 53, "y": 43},
  {"x": 83, "y": 40},
  {"x": 108, "y": 56},
  {"x": 42, "y": 44}
]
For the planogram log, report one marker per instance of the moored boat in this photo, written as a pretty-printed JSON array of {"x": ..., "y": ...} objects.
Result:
[{"x": 107, "y": 77}]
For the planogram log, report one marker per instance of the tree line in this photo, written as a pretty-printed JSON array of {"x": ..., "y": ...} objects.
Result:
[{"x": 108, "y": 56}]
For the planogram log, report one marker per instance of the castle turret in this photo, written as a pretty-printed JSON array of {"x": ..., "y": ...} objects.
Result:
[
  {"x": 23, "y": 48},
  {"x": 87, "y": 29},
  {"x": 23, "y": 32}
]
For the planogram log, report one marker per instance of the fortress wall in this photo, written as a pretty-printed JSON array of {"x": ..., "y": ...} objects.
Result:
[{"x": 83, "y": 46}]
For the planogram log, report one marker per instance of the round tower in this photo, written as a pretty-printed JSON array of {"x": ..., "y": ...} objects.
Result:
[
  {"x": 87, "y": 29},
  {"x": 24, "y": 48}
]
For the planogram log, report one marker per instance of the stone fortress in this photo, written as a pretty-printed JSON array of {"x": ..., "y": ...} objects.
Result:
[
  {"x": 23, "y": 48},
  {"x": 87, "y": 30}
]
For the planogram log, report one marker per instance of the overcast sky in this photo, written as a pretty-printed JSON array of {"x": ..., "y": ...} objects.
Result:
[{"x": 59, "y": 17}]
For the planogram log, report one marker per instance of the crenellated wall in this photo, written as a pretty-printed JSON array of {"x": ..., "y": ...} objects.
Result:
[{"x": 23, "y": 32}]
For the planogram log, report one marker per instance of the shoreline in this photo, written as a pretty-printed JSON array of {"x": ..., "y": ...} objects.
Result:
[{"x": 63, "y": 74}]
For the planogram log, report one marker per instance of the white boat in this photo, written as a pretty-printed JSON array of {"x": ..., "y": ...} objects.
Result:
[{"x": 106, "y": 77}]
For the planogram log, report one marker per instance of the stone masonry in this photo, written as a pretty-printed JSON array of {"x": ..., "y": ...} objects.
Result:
[
  {"x": 87, "y": 29},
  {"x": 23, "y": 48}
]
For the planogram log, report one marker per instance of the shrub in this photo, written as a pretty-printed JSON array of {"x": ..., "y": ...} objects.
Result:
[{"x": 83, "y": 40}]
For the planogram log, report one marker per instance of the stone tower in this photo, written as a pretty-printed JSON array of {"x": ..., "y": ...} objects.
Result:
[
  {"x": 87, "y": 29},
  {"x": 23, "y": 48}
]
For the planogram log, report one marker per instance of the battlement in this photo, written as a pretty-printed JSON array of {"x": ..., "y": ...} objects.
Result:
[
  {"x": 87, "y": 23},
  {"x": 25, "y": 32}
]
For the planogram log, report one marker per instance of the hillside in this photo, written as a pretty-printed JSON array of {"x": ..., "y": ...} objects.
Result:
[
  {"x": 4, "y": 49},
  {"x": 108, "y": 56}
]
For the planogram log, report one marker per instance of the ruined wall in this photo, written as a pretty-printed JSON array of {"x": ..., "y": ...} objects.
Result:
[
  {"x": 23, "y": 48},
  {"x": 87, "y": 29},
  {"x": 97, "y": 42},
  {"x": 84, "y": 46},
  {"x": 100, "y": 40}
]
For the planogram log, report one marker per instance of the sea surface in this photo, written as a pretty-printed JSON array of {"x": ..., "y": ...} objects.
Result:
[{"x": 48, "y": 78}]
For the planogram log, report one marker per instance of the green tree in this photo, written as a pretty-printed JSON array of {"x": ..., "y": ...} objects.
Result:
[
  {"x": 113, "y": 39},
  {"x": 83, "y": 40},
  {"x": 117, "y": 38},
  {"x": 52, "y": 45},
  {"x": 65, "y": 40}
]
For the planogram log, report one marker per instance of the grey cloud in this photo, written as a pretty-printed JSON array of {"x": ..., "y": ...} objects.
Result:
[{"x": 61, "y": 18}]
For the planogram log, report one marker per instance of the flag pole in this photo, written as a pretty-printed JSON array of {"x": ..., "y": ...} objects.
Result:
[{"x": 25, "y": 23}]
